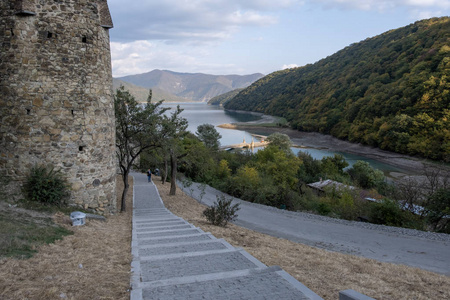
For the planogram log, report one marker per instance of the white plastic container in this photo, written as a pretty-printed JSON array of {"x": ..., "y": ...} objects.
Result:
[{"x": 78, "y": 218}]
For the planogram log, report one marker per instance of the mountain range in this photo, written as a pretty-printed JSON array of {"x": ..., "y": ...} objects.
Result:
[
  {"x": 391, "y": 91},
  {"x": 174, "y": 86}
]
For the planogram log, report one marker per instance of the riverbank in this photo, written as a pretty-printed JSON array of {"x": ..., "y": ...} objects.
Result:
[{"x": 411, "y": 165}]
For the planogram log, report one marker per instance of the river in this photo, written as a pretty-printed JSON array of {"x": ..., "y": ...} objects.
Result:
[{"x": 201, "y": 113}]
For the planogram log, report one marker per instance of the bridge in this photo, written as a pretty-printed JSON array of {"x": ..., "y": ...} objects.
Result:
[{"x": 245, "y": 145}]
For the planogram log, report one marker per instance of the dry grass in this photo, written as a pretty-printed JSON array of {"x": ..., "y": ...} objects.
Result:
[
  {"x": 94, "y": 263},
  {"x": 324, "y": 272}
]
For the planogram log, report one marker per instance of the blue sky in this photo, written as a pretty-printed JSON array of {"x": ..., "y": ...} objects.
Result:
[{"x": 249, "y": 36}]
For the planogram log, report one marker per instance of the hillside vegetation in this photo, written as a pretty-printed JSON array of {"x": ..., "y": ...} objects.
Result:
[
  {"x": 390, "y": 91},
  {"x": 221, "y": 99}
]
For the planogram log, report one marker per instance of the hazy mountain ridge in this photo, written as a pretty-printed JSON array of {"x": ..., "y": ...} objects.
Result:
[
  {"x": 141, "y": 93},
  {"x": 190, "y": 86},
  {"x": 391, "y": 91}
]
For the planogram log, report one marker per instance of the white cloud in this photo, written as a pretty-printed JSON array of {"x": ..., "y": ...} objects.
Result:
[
  {"x": 384, "y": 5},
  {"x": 142, "y": 56},
  {"x": 425, "y": 14},
  {"x": 290, "y": 66},
  {"x": 200, "y": 20},
  {"x": 428, "y": 3}
]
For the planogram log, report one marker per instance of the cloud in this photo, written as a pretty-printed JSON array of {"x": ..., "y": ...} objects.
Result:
[
  {"x": 421, "y": 14},
  {"x": 384, "y": 5},
  {"x": 192, "y": 21},
  {"x": 141, "y": 56},
  {"x": 290, "y": 66}
]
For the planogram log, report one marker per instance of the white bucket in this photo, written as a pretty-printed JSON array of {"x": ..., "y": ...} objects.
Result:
[{"x": 78, "y": 218}]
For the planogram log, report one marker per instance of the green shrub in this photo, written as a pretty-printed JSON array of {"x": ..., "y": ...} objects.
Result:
[
  {"x": 437, "y": 208},
  {"x": 387, "y": 212},
  {"x": 323, "y": 209},
  {"x": 365, "y": 176},
  {"x": 46, "y": 185},
  {"x": 222, "y": 211}
]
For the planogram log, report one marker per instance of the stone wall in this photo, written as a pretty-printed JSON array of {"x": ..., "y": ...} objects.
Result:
[{"x": 56, "y": 101}]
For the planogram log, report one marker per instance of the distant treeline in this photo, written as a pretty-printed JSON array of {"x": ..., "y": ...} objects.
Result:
[{"x": 391, "y": 91}]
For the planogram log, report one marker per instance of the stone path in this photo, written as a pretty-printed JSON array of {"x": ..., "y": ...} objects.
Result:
[{"x": 173, "y": 259}]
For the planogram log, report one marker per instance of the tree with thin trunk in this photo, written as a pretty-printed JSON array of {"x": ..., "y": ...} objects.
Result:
[
  {"x": 138, "y": 128},
  {"x": 175, "y": 126},
  {"x": 209, "y": 136}
]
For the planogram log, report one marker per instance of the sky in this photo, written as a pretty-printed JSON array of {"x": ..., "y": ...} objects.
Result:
[{"x": 224, "y": 37}]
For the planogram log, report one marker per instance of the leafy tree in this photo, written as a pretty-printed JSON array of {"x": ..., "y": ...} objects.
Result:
[
  {"x": 209, "y": 135},
  {"x": 310, "y": 169},
  {"x": 333, "y": 166},
  {"x": 387, "y": 212},
  {"x": 280, "y": 140},
  {"x": 246, "y": 181},
  {"x": 281, "y": 167},
  {"x": 138, "y": 128},
  {"x": 223, "y": 171},
  {"x": 437, "y": 208},
  {"x": 175, "y": 127},
  {"x": 364, "y": 175},
  {"x": 198, "y": 163}
]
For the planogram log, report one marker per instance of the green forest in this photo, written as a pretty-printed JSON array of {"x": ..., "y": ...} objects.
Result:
[
  {"x": 221, "y": 99},
  {"x": 390, "y": 91}
]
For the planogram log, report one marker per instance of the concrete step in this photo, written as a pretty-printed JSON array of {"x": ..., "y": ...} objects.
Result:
[
  {"x": 173, "y": 232},
  {"x": 161, "y": 267},
  {"x": 147, "y": 252},
  {"x": 191, "y": 238},
  {"x": 257, "y": 283}
]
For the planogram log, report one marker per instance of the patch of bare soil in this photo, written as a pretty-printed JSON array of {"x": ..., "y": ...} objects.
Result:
[
  {"x": 94, "y": 263},
  {"x": 324, "y": 272}
]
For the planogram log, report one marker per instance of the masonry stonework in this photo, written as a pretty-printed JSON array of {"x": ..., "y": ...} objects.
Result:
[{"x": 56, "y": 102}]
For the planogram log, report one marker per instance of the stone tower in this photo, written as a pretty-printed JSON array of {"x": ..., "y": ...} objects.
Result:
[{"x": 56, "y": 101}]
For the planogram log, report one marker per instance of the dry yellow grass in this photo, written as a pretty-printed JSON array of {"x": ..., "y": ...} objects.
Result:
[
  {"x": 94, "y": 263},
  {"x": 324, "y": 272}
]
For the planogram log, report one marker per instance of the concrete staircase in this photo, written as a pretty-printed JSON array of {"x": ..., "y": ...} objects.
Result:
[{"x": 173, "y": 259}]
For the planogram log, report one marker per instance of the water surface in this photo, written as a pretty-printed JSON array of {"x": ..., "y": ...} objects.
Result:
[{"x": 201, "y": 113}]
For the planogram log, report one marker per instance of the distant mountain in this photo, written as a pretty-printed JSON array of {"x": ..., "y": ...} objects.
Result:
[
  {"x": 191, "y": 86},
  {"x": 141, "y": 93},
  {"x": 391, "y": 91},
  {"x": 223, "y": 98}
]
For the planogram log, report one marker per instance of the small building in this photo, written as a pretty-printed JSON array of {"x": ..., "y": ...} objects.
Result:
[{"x": 322, "y": 186}]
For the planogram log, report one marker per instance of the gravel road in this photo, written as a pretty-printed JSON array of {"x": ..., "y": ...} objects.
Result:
[{"x": 426, "y": 250}]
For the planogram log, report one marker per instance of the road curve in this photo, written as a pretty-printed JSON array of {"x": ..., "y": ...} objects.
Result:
[{"x": 429, "y": 251}]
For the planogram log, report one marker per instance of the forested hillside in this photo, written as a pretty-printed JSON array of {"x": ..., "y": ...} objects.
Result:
[
  {"x": 391, "y": 91},
  {"x": 221, "y": 99}
]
